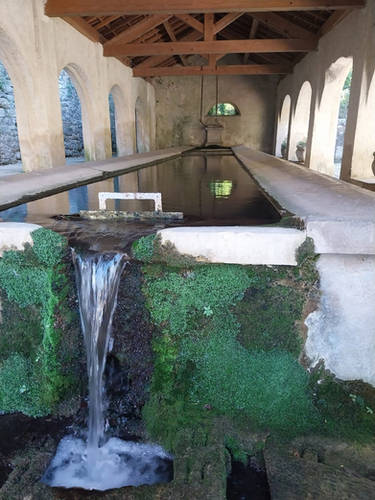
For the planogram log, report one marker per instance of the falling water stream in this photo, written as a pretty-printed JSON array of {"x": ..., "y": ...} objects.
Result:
[{"x": 96, "y": 462}]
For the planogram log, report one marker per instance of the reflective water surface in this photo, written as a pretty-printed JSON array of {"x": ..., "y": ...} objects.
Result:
[{"x": 208, "y": 189}]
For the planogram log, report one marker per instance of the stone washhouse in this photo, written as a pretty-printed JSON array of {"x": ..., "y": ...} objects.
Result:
[{"x": 238, "y": 338}]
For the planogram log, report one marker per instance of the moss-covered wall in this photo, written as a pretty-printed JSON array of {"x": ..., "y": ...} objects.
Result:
[
  {"x": 40, "y": 348},
  {"x": 230, "y": 345}
]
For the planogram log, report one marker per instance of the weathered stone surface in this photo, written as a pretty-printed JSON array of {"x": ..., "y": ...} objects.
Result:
[
  {"x": 298, "y": 471},
  {"x": 9, "y": 145}
]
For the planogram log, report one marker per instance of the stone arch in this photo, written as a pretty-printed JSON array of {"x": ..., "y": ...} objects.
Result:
[
  {"x": 282, "y": 137},
  {"x": 123, "y": 131},
  {"x": 85, "y": 94},
  {"x": 19, "y": 73},
  {"x": 325, "y": 127},
  {"x": 142, "y": 136},
  {"x": 300, "y": 122}
]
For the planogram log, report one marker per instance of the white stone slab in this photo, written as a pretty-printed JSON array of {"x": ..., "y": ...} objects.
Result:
[
  {"x": 104, "y": 196},
  {"x": 339, "y": 216},
  {"x": 341, "y": 332},
  {"x": 14, "y": 235},
  {"x": 237, "y": 244}
]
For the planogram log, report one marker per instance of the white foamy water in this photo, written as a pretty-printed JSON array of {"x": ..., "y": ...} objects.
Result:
[{"x": 117, "y": 463}]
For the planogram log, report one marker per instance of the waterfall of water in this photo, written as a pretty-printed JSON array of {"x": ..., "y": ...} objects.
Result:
[
  {"x": 98, "y": 278},
  {"x": 97, "y": 463}
]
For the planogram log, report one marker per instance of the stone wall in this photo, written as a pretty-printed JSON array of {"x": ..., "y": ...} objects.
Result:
[
  {"x": 178, "y": 103},
  {"x": 9, "y": 145},
  {"x": 71, "y": 117}
]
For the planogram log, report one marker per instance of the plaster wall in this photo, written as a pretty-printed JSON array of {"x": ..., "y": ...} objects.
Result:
[
  {"x": 350, "y": 42},
  {"x": 34, "y": 49},
  {"x": 178, "y": 101},
  {"x": 341, "y": 330}
]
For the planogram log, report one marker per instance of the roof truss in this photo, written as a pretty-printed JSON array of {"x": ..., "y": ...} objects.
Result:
[{"x": 177, "y": 37}]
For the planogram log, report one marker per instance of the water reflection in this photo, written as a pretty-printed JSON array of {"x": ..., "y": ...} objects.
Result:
[{"x": 207, "y": 189}]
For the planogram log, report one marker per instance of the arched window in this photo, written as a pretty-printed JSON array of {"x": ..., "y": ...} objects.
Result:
[
  {"x": 300, "y": 124},
  {"x": 341, "y": 123},
  {"x": 71, "y": 117},
  {"x": 224, "y": 109},
  {"x": 283, "y": 128},
  {"x": 9, "y": 145},
  {"x": 112, "y": 116}
]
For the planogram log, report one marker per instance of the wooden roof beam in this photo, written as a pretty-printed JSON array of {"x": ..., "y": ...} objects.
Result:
[
  {"x": 85, "y": 28},
  {"x": 333, "y": 20},
  {"x": 211, "y": 47},
  {"x": 191, "y": 21},
  {"x": 172, "y": 36},
  {"x": 233, "y": 69},
  {"x": 100, "y": 8},
  {"x": 226, "y": 21},
  {"x": 281, "y": 25},
  {"x": 136, "y": 31},
  {"x": 156, "y": 60}
]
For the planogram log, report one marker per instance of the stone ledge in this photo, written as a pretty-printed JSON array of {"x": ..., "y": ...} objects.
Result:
[
  {"x": 14, "y": 235},
  {"x": 237, "y": 244}
]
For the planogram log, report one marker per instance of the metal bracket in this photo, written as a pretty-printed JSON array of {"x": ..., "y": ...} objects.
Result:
[{"x": 103, "y": 197}]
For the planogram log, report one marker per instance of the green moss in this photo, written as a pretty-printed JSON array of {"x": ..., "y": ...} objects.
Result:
[
  {"x": 270, "y": 388},
  {"x": 347, "y": 409},
  {"x": 236, "y": 450},
  {"x": 34, "y": 290},
  {"x": 201, "y": 369},
  {"x": 48, "y": 247},
  {"x": 143, "y": 249},
  {"x": 270, "y": 311},
  {"x": 19, "y": 387}
]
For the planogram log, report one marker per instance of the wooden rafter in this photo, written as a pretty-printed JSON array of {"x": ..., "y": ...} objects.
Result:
[
  {"x": 226, "y": 21},
  {"x": 241, "y": 69},
  {"x": 85, "y": 28},
  {"x": 172, "y": 36},
  {"x": 253, "y": 31},
  {"x": 158, "y": 60},
  {"x": 191, "y": 21},
  {"x": 105, "y": 22},
  {"x": 333, "y": 20},
  {"x": 211, "y": 47},
  {"x": 137, "y": 30},
  {"x": 61, "y": 8},
  {"x": 282, "y": 25}
]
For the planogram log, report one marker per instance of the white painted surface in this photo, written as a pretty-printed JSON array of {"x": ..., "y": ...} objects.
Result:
[
  {"x": 14, "y": 235},
  {"x": 342, "y": 331},
  {"x": 156, "y": 197},
  {"x": 237, "y": 244}
]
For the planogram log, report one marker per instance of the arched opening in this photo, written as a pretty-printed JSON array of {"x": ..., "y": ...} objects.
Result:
[
  {"x": 341, "y": 123},
  {"x": 323, "y": 142},
  {"x": 71, "y": 118},
  {"x": 121, "y": 122},
  {"x": 223, "y": 109},
  {"x": 112, "y": 117},
  {"x": 142, "y": 140},
  {"x": 283, "y": 128},
  {"x": 300, "y": 124},
  {"x": 10, "y": 153}
]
